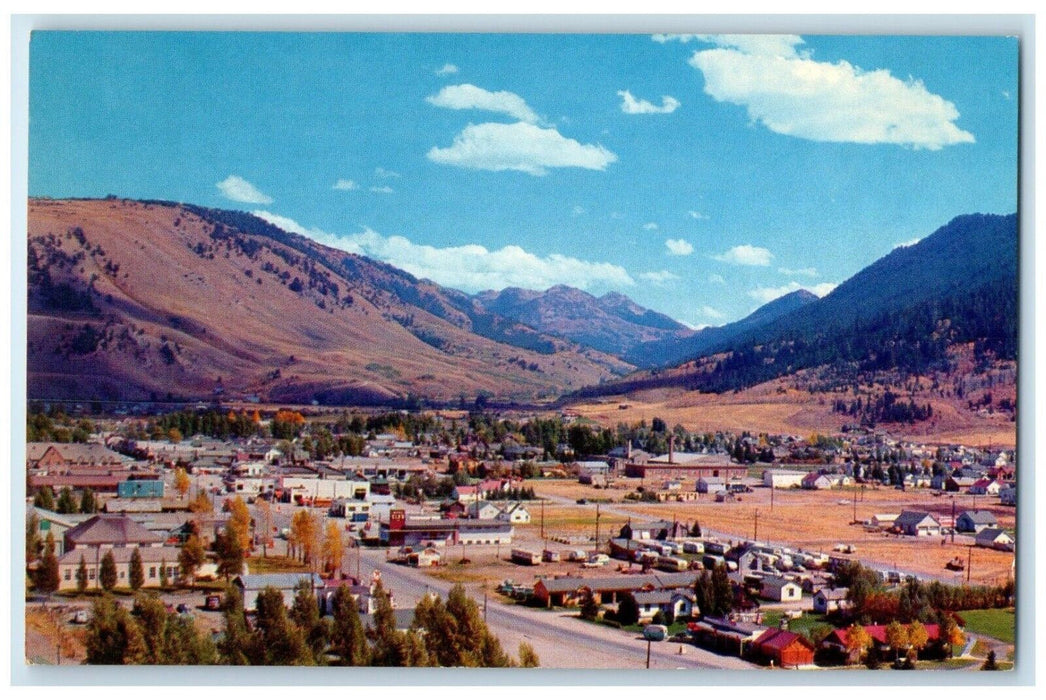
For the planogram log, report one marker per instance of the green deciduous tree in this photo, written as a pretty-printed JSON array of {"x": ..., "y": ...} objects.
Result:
[{"x": 589, "y": 606}]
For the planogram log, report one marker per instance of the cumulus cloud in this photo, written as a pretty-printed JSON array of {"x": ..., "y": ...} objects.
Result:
[
  {"x": 471, "y": 267},
  {"x": 630, "y": 105},
  {"x": 237, "y": 189},
  {"x": 765, "y": 295},
  {"x": 520, "y": 146},
  {"x": 650, "y": 226},
  {"x": 447, "y": 69},
  {"x": 681, "y": 38},
  {"x": 804, "y": 271},
  {"x": 746, "y": 255},
  {"x": 660, "y": 277},
  {"x": 382, "y": 189},
  {"x": 468, "y": 96},
  {"x": 678, "y": 246},
  {"x": 343, "y": 184},
  {"x": 792, "y": 94}
]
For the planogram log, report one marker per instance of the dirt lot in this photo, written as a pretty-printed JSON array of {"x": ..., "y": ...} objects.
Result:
[{"x": 816, "y": 520}]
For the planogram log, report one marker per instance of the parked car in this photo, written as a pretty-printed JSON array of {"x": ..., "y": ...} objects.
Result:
[
  {"x": 655, "y": 633},
  {"x": 80, "y": 617}
]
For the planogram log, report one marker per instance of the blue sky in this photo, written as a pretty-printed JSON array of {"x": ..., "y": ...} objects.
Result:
[{"x": 700, "y": 175}]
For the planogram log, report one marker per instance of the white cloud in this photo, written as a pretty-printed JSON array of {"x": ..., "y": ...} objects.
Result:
[
  {"x": 907, "y": 244},
  {"x": 756, "y": 44},
  {"x": 792, "y": 94},
  {"x": 520, "y": 146},
  {"x": 696, "y": 215},
  {"x": 746, "y": 255},
  {"x": 650, "y": 226},
  {"x": 468, "y": 96},
  {"x": 804, "y": 271},
  {"x": 382, "y": 172},
  {"x": 765, "y": 295},
  {"x": 630, "y": 105},
  {"x": 469, "y": 267},
  {"x": 716, "y": 279},
  {"x": 343, "y": 184},
  {"x": 578, "y": 210},
  {"x": 237, "y": 189},
  {"x": 383, "y": 189},
  {"x": 660, "y": 277},
  {"x": 681, "y": 38},
  {"x": 709, "y": 312},
  {"x": 678, "y": 246},
  {"x": 447, "y": 69}
]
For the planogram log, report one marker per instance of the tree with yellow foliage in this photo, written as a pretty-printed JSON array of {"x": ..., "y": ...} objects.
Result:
[
  {"x": 333, "y": 547},
  {"x": 241, "y": 516},
  {"x": 181, "y": 482},
  {"x": 201, "y": 504},
  {"x": 304, "y": 536},
  {"x": 857, "y": 642}
]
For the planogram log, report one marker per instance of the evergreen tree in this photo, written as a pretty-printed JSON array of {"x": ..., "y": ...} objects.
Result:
[
  {"x": 589, "y": 606},
  {"x": 81, "y": 575},
  {"x": 88, "y": 504},
  {"x": 112, "y": 636},
  {"x": 703, "y": 596},
  {"x": 233, "y": 647},
  {"x": 44, "y": 498},
  {"x": 348, "y": 638},
  {"x": 66, "y": 503},
  {"x": 151, "y": 615},
  {"x": 276, "y": 641},
  {"x": 389, "y": 647},
  {"x": 528, "y": 658},
  {"x": 722, "y": 593},
  {"x": 47, "y": 573},
  {"x": 627, "y": 610},
  {"x": 164, "y": 581},
  {"x": 305, "y": 613},
  {"x": 34, "y": 547},
  {"x": 107, "y": 573},
  {"x": 137, "y": 571},
  {"x": 990, "y": 663}
]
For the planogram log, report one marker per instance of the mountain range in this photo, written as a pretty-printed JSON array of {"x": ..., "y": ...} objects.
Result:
[{"x": 133, "y": 300}]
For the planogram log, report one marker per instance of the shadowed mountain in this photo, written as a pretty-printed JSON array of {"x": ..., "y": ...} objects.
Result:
[{"x": 612, "y": 323}]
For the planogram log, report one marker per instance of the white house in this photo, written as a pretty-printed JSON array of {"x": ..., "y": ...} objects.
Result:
[
  {"x": 995, "y": 538},
  {"x": 515, "y": 513},
  {"x": 829, "y": 600},
  {"x": 483, "y": 510},
  {"x": 680, "y": 601},
  {"x": 783, "y": 478},
  {"x": 780, "y": 589}
]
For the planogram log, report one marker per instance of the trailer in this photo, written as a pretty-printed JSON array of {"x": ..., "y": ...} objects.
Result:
[
  {"x": 672, "y": 564},
  {"x": 525, "y": 556}
]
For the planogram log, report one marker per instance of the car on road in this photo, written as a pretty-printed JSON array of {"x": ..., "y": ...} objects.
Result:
[
  {"x": 582, "y": 501},
  {"x": 655, "y": 633},
  {"x": 182, "y": 609}
]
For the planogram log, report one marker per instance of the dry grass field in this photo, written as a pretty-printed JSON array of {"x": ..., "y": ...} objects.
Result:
[{"x": 777, "y": 408}]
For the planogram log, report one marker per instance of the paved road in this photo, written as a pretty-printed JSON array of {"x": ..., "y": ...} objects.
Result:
[{"x": 560, "y": 640}]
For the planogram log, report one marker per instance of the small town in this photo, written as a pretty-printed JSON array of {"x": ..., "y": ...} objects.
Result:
[{"x": 221, "y": 529}]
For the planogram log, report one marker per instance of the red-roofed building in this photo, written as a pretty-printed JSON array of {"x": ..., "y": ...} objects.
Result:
[
  {"x": 783, "y": 648},
  {"x": 837, "y": 639}
]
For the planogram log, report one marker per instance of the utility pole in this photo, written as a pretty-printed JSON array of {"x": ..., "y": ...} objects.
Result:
[
  {"x": 755, "y": 536},
  {"x": 855, "y": 506},
  {"x": 542, "y": 518},
  {"x": 953, "y": 518},
  {"x": 648, "y": 653},
  {"x": 969, "y": 563},
  {"x": 597, "y": 528},
  {"x": 771, "y": 493}
]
